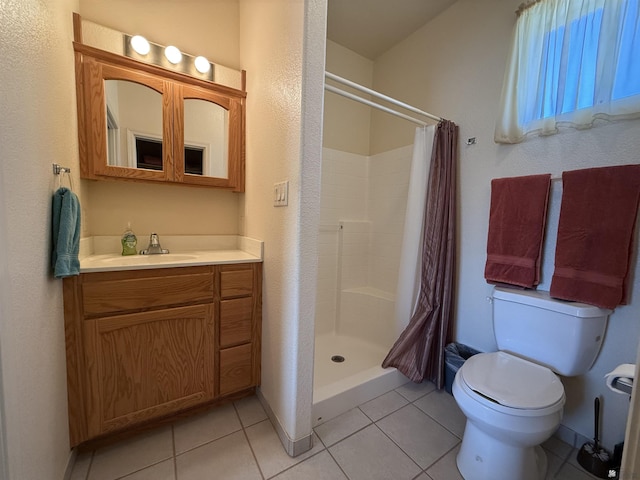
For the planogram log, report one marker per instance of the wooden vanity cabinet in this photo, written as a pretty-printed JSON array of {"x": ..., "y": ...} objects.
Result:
[{"x": 145, "y": 345}]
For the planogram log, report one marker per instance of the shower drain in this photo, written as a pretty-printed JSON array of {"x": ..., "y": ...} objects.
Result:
[{"x": 337, "y": 358}]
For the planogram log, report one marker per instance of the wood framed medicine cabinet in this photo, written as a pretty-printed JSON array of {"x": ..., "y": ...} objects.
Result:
[{"x": 141, "y": 122}]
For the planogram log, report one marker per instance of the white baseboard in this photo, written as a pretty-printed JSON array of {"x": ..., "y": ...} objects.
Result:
[
  {"x": 575, "y": 439},
  {"x": 292, "y": 447},
  {"x": 71, "y": 462}
]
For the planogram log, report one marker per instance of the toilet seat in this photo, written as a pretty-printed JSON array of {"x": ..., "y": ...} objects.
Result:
[{"x": 500, "y": 379}]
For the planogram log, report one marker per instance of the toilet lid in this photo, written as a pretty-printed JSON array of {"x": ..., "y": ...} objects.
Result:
[{"x": 512, "y": 381}]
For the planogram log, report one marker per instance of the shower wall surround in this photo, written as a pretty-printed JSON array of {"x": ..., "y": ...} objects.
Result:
[{"x": 363, "y": 203}]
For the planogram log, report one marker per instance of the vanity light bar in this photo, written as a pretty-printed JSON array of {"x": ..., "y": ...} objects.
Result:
[
  {"x": 170, "y": 57},
  {"x": 202, "y": 64},
  {"x": 173, "y": 54},
  {"x": 140, "y": 44}
]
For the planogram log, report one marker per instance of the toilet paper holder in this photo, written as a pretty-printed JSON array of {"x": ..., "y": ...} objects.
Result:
[
  {"x": 623, "y": 384},
  {"x": 621, "y": 379}
]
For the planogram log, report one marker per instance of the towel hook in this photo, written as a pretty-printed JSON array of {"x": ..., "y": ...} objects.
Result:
[{"x": 60, "y": 171}]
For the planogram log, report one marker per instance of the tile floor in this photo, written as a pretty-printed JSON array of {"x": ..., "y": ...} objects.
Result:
[{"x": 412, "y": 432}]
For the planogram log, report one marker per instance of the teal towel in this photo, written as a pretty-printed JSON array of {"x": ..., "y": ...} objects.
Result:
[{"x": 66, "y": 233}]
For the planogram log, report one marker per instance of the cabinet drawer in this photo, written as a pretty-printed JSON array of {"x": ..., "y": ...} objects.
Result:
[
  {"x": 236, "y": 283},
  {"x": 235, "y": 321},
  {"x": 110, "y": 294},
  {"x": 235, "y": 369}
]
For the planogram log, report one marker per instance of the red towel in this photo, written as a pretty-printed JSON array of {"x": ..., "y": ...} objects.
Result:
[
  {"x": 516, "y": 229},
  {"x": 595, "y": 235}
]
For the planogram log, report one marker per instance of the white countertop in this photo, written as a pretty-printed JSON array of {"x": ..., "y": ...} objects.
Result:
[{"x": 212, "y": 250}]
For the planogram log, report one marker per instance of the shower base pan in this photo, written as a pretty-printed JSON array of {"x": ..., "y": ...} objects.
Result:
[{"x": 339, "y": 386}]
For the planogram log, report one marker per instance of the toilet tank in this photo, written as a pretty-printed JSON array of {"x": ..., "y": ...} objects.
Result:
[{"x": 563, "y": 336}]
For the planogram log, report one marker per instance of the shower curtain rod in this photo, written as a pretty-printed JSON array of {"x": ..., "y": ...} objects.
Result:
[{"x": 379, "y": 95}]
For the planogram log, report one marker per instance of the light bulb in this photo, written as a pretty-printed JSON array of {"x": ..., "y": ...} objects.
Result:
[
  {"x": 173, "y": 54},
  {"x": 202, "y": 64},
  {"x": 140, "y": 44}
]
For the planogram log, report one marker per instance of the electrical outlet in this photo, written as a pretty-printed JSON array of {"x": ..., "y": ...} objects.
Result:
[{"x": 281, "y": 194}]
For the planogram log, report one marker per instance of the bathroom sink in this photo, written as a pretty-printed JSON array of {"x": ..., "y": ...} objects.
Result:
[
  {"x": 115, "y": 261},
  {"x": 144, "y": 259}
]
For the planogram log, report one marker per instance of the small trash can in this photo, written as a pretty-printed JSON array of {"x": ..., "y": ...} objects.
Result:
[{"x": 455, "y": 354}]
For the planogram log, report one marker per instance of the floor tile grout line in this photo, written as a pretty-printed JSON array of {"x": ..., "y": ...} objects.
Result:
[
  {"x": 121, "y": 477},
  {"x": 409, "y": 402},
  {"x": 337, "y": 463},
  {"x": 206, "y": 443},
  {"x": 348, "y": 436},
  {"x": 175, "y": 461},
  {"x": 313, "y": 430},
  {"x": 457, "y": 445},
  {"x": 566, "y": 457},
  {"x": 246, "y": 437},
  {"x": 175, "y": 454},
  {"x": 423, "y": 472},
  {"x": 399, "y": 447},
  {"x": 430, "y": 417},
  {"x": 296, "y": 464},
  {"x": 90, "y": 465},
  {"x": 395, "y": 390},
  {"x": 387, "y": 414},
  {"x": 372, "y": 423},
  {"x": 577, "y": 466},
  {"x": 324, "y": 449},
  {"x": 439, "y": 423},
  {"x": 416, "y": 399},
  {"x": 241, "y": 428}
]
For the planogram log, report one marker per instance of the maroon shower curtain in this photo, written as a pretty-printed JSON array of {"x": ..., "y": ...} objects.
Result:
[{"x": 419, "y": 351}]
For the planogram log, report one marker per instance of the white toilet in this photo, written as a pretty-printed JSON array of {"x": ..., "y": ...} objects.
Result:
[{"x": 512, "y": 398}]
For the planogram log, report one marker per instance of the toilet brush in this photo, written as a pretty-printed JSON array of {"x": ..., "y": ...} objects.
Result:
[{"x": 592, "y": 457}]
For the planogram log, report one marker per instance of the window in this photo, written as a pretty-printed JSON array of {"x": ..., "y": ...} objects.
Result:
[{"x": 573, "y": 62}]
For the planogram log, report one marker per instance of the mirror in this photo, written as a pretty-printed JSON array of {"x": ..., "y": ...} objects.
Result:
[
  {"x": 206, "y": 129},
  {"x": 134, "y": 125},
  {"x": 134, "y": 130}
]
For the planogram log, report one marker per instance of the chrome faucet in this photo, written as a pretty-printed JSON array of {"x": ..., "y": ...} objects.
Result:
[{"x": 154, "y": 247}]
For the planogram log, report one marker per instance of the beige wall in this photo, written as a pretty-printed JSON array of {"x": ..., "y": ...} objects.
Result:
[
  {"x": 284, "y": 51},
  {"x": 163, "y": 209},
  {"x": 346, "y": 122},
  {"x": 270, "y": 44},
  {"x": 282, "y": 46},
  {"x": 453, "y": 67},
  {"x": 37, "y": 128},
  {"x": 198, "y": 28}
]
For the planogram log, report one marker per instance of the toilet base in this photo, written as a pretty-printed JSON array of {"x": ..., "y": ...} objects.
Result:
[{"x": 482, "y": 457}]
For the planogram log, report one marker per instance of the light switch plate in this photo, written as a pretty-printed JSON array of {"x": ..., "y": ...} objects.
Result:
[{"x": 281, "y": 194}]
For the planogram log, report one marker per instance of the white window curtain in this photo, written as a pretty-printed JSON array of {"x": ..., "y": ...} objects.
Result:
[{"x": 572, "y": 62}]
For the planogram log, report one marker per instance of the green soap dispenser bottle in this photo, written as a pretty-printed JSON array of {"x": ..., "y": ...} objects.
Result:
[{"x": 129, "y": 241}]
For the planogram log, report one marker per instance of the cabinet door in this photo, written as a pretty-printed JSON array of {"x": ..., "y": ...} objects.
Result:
[
  {"x": 147, "y": 365},
  {"x": 128, "y": 123},
  {"x": 208, "y": 138}
]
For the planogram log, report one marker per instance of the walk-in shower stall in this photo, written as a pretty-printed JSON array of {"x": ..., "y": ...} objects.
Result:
[{"x": 362, "y": 220}]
